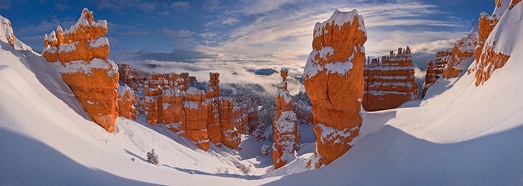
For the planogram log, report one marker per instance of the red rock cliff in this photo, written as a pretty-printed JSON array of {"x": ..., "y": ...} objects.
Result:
[
  {"x": 333, "y": 79},
  {"x": 82, "y": 51},
  {"x": 285, "y": 126},
  {"x": 389, "y": 82}
]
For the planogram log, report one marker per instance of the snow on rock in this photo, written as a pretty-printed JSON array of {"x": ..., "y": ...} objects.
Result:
[
  {"x": 7, "y": 35},
  {"x": 196, "y": 112},
  {"x": 213, "y": 121},
  {"x": 500, "y": 44},
  {"x": 463, "y": 49},
  {"x": 389, "y": 81},
  {"x": 334, "y": 82},
  {"x": 430, "y": 78},
  {"x": 85, "y": 68},
  {"x": 230, "y": 136},
  {"x": 126, "y": 102},
  {"x": 285, "y": 126}
]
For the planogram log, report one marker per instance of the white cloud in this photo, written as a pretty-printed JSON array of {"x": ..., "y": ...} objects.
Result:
[
  {"x": 285, "y": 37},
  {"x": 183, "y": 33},
  {"x": 181, "y": 5}
]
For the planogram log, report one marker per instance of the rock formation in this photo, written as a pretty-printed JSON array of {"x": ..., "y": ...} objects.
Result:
[
  {"x": 285, "y": 126},
  {"x": 199, "y": 115},
  {"x": 241, "y": 118},
  {"x": 389, "y": 82},
  {"x": 463, "y": 49},
  {"x": 213, "y": 121},
  {"x": 230, "y": 136},
  {"x": 430, "y": 77},
  {"x": 9, "y": 34},
  {"x": 196, "y": 113},
  {"x": 333, "y": 79},
  {"x": 441, "y": 61},
  {"x": 126, "y": 102},
  {"x": 495, "y": 45},
  {"x": 82, "y": 51}
]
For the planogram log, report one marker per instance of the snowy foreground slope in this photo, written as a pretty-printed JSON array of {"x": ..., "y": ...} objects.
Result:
[{"x": 459, "y": 135}]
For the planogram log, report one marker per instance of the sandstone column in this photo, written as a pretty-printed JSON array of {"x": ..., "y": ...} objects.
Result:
[{"x": 333, "y": 79}]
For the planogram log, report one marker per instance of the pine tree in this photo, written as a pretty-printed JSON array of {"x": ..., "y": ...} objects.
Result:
[{"x": 152, "y": 157}]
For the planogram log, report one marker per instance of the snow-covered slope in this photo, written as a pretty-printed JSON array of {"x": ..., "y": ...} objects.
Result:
[{"x": 459, "y": 135}]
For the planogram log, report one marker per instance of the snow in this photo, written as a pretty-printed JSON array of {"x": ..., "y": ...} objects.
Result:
[
  {"x": 285, "y": 94},
  {"x": 510, "y": 26},
  {"x": 340, "y": 68},
  {"x": 68, "y": 47},
  {"x": 285, "y": 122},
  {"x": 84, "y": 67},
  {"x": 99, "y": 42}
]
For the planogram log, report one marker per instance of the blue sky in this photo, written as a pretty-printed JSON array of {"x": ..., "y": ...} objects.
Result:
[{"x": 259, "y": 31}]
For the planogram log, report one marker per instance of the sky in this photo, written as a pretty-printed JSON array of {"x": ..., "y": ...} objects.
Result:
[{"x": 248, "y": 31}]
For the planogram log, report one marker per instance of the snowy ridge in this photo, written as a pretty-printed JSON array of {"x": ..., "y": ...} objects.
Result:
[{"x": 6, "y": 31}]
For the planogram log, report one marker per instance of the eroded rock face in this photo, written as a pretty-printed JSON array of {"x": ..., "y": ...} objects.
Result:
[
  {"x": 199, "y": 115},
  {"x": 333, "y": 79},
  {"x": 230, "y": 136},
  {"x": 462, "y": 50},
  {"x": 126, "y": 102},
  {"x": 389, "y": 82},
  {"x": 430, "y": 77},
  {"x": 213, "y": 121},
  {"x": 196, "y": 113},
  {"x": 285, "y": 126},
  {"x": 497, "y": 45},
  {"x": 82, "y": 51}
]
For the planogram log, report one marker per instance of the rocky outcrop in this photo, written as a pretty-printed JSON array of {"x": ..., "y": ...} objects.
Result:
[
  {"x": 498, "y": 45},
  {"x": 389, "y": 82},
  {"x": 8, "y": 31},
  {"x": 126, "y": 102},
  {"x": 7, "y": 35},
  {"x": 241, "y": 118},
  {"x": 462, "y": 50},
  {"x": 441, "y": 61},
  {"x": 82, "y": 51},
  {"x": 213, "y": 121},
  {"x": 333, "y": 79},
  {"x": 285, "y": 126},
  {"x": 202, "y": 116},
  {"x": 230, "y": 136},
  {"x": 196, "y": 113},
  {"x": 430, "y": 77}
]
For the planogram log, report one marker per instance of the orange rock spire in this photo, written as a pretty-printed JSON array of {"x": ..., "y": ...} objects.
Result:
[
  {"x": 82, "y": 50},
  {"x": 333, "y": 79},
  {"x": 285, "y": 126}
]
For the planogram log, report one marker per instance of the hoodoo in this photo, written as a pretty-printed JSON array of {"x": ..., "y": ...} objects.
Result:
[
  {"x": 333, "y": 79},
  {"x": 82, "y": 50},
  {"x": 285, "y": 126}
]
